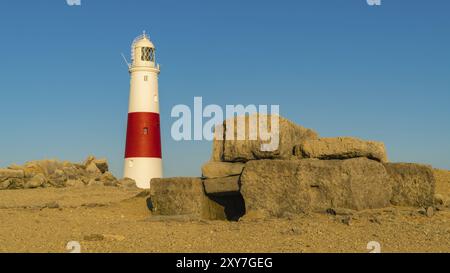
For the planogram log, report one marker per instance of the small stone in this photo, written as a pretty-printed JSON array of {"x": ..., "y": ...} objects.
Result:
[
  {"x": 94, "y": 237},
  {"x": 346, "y": 220},
  {"x": 430, "y": 212},
  {"x": 292, "y": 231},
  {"x": 93, "y": 205},
  {"x": 422, "y": 211},
  {"x": 331, "y": 211},
  {"x": 375, "y": 220},
  {"x": 439, "y": 199},
  {"x": 52, "y": 205}
]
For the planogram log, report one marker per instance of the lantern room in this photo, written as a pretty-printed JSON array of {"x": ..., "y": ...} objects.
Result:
[{"x": 143, "y": 52}]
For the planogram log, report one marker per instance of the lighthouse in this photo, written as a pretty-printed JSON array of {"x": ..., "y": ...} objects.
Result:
[{"x": 143, "y": 159}]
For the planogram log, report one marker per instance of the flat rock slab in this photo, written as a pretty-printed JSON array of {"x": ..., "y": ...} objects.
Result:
[
  {"x": 251, "y": 145},
  {"x": 222, "y": 185},
  {"x": 282, "y": 186},
  {"x": 413, "y": 184},
  {"x": 221, "y": 169},
  {"x": 183, "y": 196},
  {"x": 341, "y": 148}
]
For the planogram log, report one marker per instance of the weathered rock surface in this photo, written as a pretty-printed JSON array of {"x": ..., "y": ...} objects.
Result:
[
  {"x": 37, "y": 181},
  {"x": 341, "y": 148},
  {"x": 281, "y": 186},
  {"x": 222, "y": 185},
  {"x": 126, "y": 183},
  {"x": 231, "y": 149},
  {"x": 221, "y": 169},
  {"x": 413, "y": 184},
  {"x": 101, "y": 164},
  {"x": 183, "y": 196},
  {"x": 8, "y": 173},
  {"x": 75, "y": 183}
]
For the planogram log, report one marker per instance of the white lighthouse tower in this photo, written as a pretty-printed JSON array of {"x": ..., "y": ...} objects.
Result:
[{"x": 143, "y": 144}]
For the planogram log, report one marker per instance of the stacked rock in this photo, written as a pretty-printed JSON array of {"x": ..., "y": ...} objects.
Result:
[{"x": 305, "y": 173}]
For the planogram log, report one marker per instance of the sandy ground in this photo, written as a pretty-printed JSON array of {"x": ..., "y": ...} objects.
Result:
[{"x": 107, "y": 219}]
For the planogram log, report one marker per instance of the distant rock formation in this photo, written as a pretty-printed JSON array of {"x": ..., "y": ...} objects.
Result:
[
  {"x": 306, "y": 173},
  {"x": 54, "y": 173}
]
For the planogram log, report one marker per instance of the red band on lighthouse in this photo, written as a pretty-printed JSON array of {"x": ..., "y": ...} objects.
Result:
[{"x": 143, "y": 135}]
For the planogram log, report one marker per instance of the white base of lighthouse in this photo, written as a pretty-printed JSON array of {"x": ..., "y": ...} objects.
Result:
[{"x": 142, "y": 170}]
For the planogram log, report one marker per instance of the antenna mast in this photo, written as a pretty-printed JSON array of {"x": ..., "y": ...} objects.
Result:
[{"x": 126, "y": 61}]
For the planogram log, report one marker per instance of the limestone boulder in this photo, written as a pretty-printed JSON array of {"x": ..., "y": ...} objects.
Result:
[
  {"x": 126, "y": 183},
  {"x": 92, "y": 169},
  {"x": 14, "y": 183},
  {"x": 57, "y": 179},
  {"x": 75, "y": 183},
  {"x": 341, "y": 148},
  {"x": 4, "y": 185},
  {"x": 74, "y": 172},
  {"x": 250, "y": 144},
  {"x": 96, "y": 166},
  {"x": 277, "y": 187},
  {"x": 221, "y": 169},
  {"x": 102, "y": 165},
  {"x": 108, "y": 179},
  {"x": 222, "y": 185},
  {"x": 183, "y": 196},
  {"x": 10, "y": 173},
  {"x": 35, "y": 182},
  {"x": 413, "y": 184}
]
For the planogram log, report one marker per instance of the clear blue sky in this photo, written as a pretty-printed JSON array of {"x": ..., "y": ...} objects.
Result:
[{"x": 340, "y": 67}]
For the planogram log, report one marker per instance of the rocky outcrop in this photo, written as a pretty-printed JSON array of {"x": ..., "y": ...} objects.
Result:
[
  {"x": 305, "y": 173},
  {"x": 232, "y": 149},
  {"x": 341, "y": 148},
  {"x": 281, "y": 186},
  {"x": 58, "y": 174},
  {"x": 413, "y": 184}
]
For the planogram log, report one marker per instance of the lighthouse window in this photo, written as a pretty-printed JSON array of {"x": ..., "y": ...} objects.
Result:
[
  {"x": 145, "y": 78},
  {"x": 145, "y": 131},
  {"x": 147, "y": 54}
]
